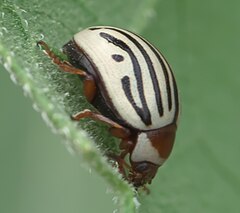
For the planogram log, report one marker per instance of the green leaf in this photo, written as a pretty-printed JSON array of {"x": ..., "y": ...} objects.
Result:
[
  {"x": 199, "y": 39},
  {"x": 57, "y": 95}
]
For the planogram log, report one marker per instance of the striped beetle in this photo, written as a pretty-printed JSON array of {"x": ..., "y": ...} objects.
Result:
[{"x": 133, "y": 88}]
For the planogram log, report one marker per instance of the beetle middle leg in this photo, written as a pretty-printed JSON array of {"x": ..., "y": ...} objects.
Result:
[{"x": 117, "y": 131}]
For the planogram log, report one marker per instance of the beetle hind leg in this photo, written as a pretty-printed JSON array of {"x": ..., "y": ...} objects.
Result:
[{"x": 64, "y": 65}]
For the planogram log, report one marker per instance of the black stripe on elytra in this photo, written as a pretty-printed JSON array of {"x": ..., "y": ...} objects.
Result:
[
  {"x": 165, "y": 72},
  {"x": 166, "y": 75},
  {"x": 175, "y": 92},
  {"x": 176, "y": 98},
  {"x": 126, "y": 85},
  {"x": 143, "y": 112},
  {"x": 150, "y": 68},
  {"x": 95, "y": 28}
]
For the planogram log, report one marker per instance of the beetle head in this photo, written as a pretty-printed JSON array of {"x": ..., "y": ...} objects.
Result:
[{"x": 142, "y": 173}]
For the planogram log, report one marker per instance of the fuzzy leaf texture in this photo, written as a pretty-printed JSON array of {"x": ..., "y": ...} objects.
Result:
[{"x": 199, "y": 41}]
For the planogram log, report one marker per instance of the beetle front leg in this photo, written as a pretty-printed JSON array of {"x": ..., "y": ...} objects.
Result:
[
  {"x": 126, "y": 146},
  {"x": 122, "y": 164}
]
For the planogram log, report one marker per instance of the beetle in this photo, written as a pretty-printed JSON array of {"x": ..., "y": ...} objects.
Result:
[{"x": 134, "y": 91}]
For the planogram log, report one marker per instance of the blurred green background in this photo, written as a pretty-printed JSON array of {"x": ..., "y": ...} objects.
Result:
[
  {"x": 38, "y": 174},
  {"x": 201, "y": 41}
]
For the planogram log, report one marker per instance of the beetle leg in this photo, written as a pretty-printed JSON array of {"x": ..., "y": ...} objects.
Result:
[
  {"x": 64, "y": 65},
  {"x": 146, "y": 189},
  {"x": 121, "y": 164},
  {"x": 116, "y": 129},
  {"x": 120, "y": 159},
  {"x": 125, "y": 146},
  {"x": 89, "y": 88}
]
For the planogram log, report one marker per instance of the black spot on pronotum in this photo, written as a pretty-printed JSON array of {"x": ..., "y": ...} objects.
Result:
[{"x": 117, "y": 58}]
